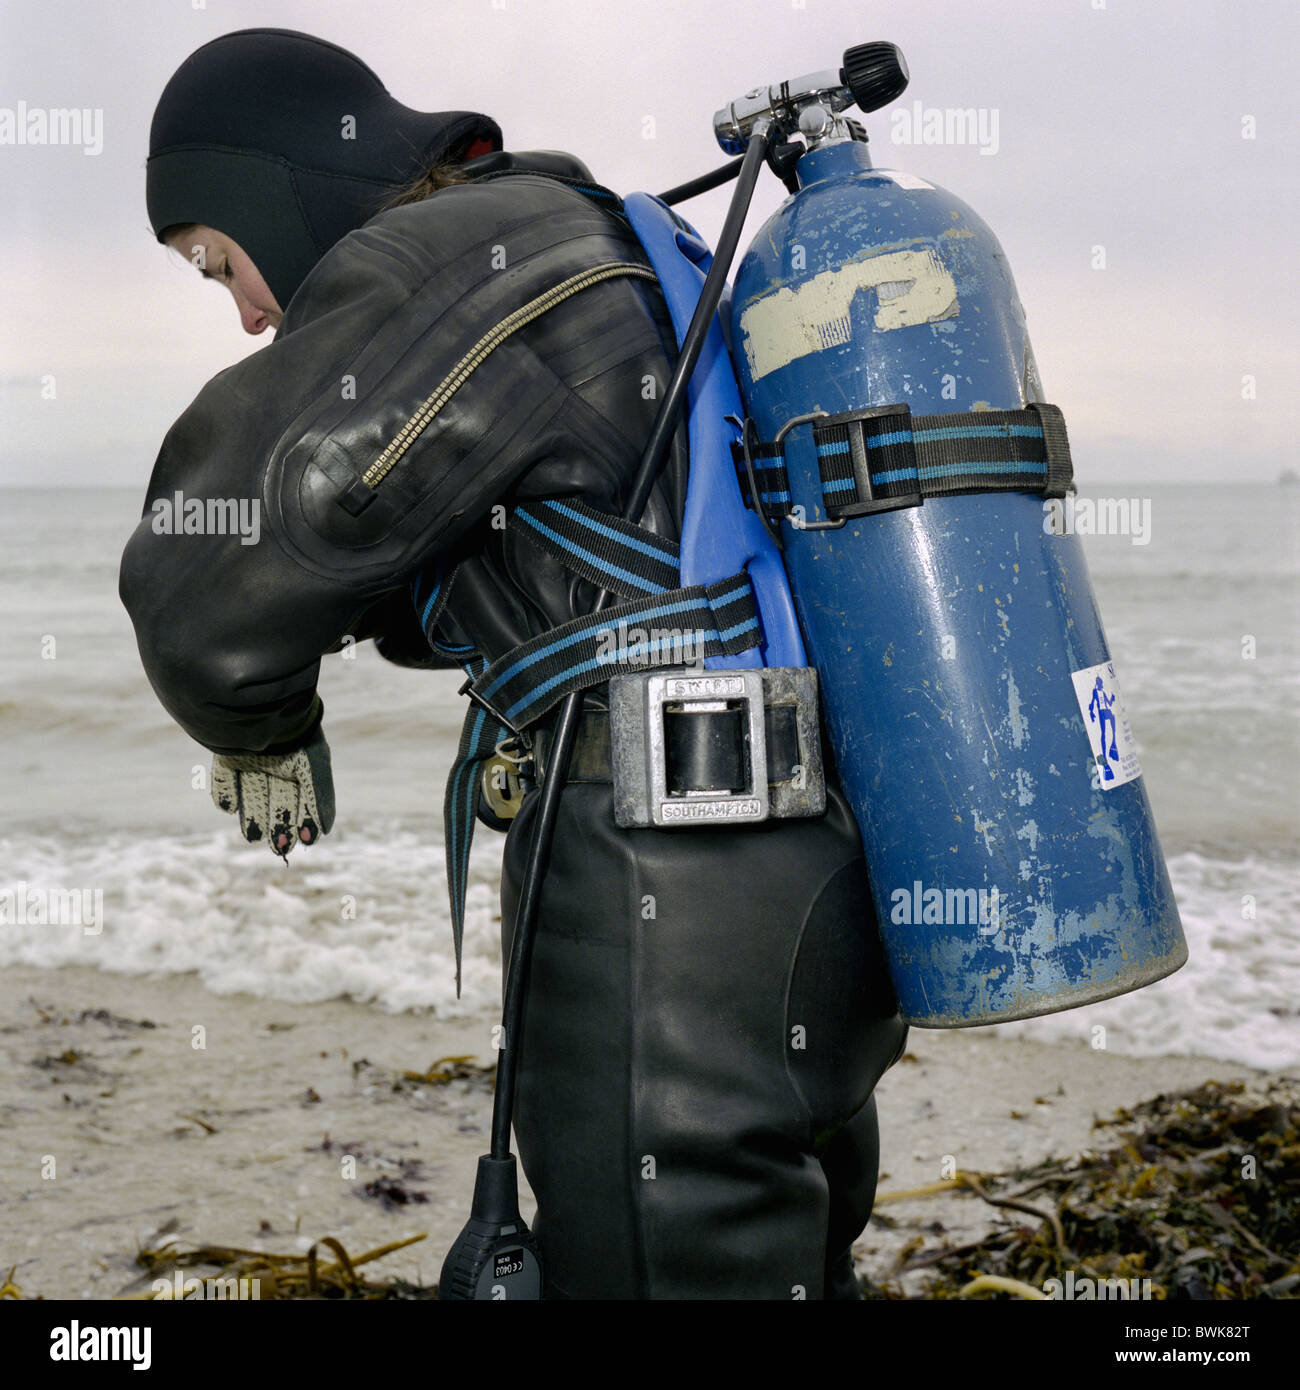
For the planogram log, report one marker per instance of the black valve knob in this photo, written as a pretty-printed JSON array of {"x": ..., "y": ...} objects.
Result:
[{"x": 876, "y": 74}]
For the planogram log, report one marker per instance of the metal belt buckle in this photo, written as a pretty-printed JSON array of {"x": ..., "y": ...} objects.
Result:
[
  {"x": 504, "y": 776},
  {"x": 637, "y": 707},
  {"x": 768, "y": 786}
]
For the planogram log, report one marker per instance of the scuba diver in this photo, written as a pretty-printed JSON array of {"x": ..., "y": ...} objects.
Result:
[
  {"x": 470, "y": 341},
  {"x": 1101, "y": 712}
]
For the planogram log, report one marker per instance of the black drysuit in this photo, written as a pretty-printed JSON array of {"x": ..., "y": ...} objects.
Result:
[{"x": 709, "y": 1012}]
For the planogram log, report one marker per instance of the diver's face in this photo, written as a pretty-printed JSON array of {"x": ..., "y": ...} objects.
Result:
[{"x": 219, "y": 257}]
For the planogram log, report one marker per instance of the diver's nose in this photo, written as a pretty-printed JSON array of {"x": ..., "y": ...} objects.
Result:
[{"x": 254, "y": 320}]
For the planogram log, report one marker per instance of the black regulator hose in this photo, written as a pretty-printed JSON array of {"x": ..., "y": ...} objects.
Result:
[
  {"x": 694, "y": 187},
  {"x": 495, "y": 1255}
]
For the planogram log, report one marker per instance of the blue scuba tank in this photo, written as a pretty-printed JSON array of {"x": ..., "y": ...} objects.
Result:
[{"x": 973, "y": 709}]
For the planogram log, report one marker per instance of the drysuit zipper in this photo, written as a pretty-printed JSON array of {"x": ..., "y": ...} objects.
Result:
[{"x": 491, "y": 340}]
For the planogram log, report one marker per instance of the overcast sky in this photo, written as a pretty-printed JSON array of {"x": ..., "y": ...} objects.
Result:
[{"x": 1119, "y": 124}]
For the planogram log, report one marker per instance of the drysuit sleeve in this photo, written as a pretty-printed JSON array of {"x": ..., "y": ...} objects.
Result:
[
  {"x": 231, "y": 631},
  {"x": 231, "y": 623},
  {"x": 261, "y": 545}
]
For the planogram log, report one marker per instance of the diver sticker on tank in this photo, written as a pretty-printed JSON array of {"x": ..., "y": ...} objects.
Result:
[{"x": 1114, "y": 749}]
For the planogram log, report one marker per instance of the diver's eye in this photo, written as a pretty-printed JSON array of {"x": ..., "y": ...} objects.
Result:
[{"x": 226, "y": 272}]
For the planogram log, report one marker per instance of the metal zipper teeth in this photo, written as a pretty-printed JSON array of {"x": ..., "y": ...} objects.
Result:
[{"x": 491, "y": 340}]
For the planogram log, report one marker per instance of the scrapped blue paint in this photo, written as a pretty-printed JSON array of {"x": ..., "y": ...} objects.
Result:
[{"x": 946, "y": 635}]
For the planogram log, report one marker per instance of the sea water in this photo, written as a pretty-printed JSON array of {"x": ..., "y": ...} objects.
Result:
[{"x": 102, "y": 792}]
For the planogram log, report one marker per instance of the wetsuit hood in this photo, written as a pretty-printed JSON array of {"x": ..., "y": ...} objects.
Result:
[{"x": 286, "y": 143}]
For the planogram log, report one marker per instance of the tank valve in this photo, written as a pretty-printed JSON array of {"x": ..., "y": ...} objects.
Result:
[
  {"x": 872, "y": 75},
  {"x": 876, "y": 74}
]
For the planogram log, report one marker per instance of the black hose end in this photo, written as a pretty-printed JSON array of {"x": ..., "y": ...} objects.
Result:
[
  {"x": 496, "y": 1257},
  {"x": 496, "y": 1190}
]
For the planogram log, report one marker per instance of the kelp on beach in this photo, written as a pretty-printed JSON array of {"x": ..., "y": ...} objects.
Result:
[
  {"x": 231, "y": 1273},
  {"x": 1197, "y": 1192},
  {"x": 1190, "y": 1195}
]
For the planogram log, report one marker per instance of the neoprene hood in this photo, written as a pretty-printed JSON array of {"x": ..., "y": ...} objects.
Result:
[{"x": 286, "y": 143}]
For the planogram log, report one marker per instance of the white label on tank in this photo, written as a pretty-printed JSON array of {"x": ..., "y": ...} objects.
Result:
[
  {"x": 1114, "y": 749},
  {"x": 793, "y": 323},
  {"x": 903, "y": 180}
]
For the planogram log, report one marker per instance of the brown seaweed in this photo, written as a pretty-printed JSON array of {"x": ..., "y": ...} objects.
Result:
[
  {"x": 283, "y": 1276},
  {"x": 1197, "y": 1193}
]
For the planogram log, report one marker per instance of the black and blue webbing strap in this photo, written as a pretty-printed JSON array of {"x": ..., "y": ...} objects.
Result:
[
  {"x": 478, "y": 741},
  {"x": 721, "y": 619},
  {"x": 770, "y": 479},
  {"x": 655, "y": 626},
  {"x": 429, "y": 593},
  {"x": 704, "y": 620},
  {"x": 604, "y": 549},
  {"x": 885, "y": 458}
]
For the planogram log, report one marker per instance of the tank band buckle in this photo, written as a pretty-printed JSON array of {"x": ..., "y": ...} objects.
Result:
[
  {"x": 867, "y": 461},
  {"x": 795, "y": 515},
  {"x": 667, "y": 726}
]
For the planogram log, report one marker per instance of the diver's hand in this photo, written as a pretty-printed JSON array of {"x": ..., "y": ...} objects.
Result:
[{"x": 286, "y": 798}]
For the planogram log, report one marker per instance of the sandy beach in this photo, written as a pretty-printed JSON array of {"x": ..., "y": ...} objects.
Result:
[{"x": 295, "y": 1122}]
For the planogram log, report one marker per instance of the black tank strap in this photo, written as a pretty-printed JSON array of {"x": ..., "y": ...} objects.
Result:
[{"x": 884, "y": 458}]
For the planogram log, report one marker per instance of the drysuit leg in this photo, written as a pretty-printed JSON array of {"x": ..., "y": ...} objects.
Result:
[
  {"x": 851, "y": 1164},
  {"x": 708, "y": 1013}
]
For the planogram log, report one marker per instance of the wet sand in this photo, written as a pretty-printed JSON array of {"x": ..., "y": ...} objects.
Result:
[{"x": 115, "y": 1127}]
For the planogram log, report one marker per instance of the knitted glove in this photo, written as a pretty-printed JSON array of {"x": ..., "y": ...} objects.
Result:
[{"x": 286, "y": 798}]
